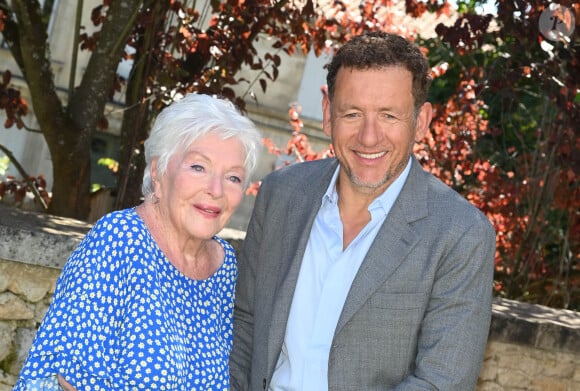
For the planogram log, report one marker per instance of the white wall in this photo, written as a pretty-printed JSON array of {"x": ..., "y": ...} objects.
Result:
[
  {"x": 29, "y": 149},
  {"x": 309, "y": 94}
]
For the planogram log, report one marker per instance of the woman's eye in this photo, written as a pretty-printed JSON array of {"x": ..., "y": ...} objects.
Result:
[
  {"x": 197, "y": 167},
  {"x": 235, "y": 179}
]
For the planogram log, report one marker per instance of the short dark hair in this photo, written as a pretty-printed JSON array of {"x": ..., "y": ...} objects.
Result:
[{"x": 378, "y": 50}]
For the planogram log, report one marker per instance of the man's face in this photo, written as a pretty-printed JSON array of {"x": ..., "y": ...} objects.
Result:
[{"x": 372, "y": 125}]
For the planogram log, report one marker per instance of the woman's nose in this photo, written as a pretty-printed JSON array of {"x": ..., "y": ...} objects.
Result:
[{"x": 216, "y": 186}]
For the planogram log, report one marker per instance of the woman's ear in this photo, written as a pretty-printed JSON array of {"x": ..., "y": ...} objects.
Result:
[
  {"x": 153, "y": 172},
  {"x": 153, "y": 168}
]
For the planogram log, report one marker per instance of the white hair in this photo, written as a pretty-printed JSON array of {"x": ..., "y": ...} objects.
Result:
[{"x": 195, "y": 115}]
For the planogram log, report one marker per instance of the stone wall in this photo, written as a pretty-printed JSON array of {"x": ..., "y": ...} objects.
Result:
[{"x": 532, "y": 348}]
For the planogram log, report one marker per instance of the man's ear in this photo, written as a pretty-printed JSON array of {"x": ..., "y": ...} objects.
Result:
[
  {"x": 326, "y": 109},
  {"x": 423, "y": 121}
]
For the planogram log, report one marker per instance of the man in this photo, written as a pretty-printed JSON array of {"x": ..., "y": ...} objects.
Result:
[{"x": 364, "y": 272}]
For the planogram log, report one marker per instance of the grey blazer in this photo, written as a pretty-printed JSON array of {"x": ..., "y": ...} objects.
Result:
[{"x": 418, "y": 312}]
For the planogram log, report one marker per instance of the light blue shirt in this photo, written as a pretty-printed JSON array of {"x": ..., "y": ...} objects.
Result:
[{"x": 326, "y": 275}]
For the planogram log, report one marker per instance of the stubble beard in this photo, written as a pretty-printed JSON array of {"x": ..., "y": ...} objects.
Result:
[{"x": 372, "y": 187}]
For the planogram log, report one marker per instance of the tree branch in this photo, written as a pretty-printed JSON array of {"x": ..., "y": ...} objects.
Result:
[
  {"x": 11, "y": 34},
  {"x": 102, "y": 66},
  {"x": 75, "y": 48},
  {"x": 35, "y": 63},
  {"x": 25, "y": 176}
]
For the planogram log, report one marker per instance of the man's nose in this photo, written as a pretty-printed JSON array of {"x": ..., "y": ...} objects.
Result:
[{"x": 369, "y": 134}]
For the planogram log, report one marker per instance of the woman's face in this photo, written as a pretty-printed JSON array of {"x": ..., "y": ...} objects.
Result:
[{"x": 202, "y": 187}]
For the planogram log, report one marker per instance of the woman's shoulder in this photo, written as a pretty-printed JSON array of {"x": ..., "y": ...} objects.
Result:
[
  {"x": 230, "y": 263},
  {"x": 115, "y": 238},
  {"x": 118, "y": 221},
  {"x": 117, "y": 217},
  {"x": 230, "y": 251}
]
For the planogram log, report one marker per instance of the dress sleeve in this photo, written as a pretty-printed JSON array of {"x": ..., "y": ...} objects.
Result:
[
  {"x": 228, "y": 292},
  {"x": 76, "y": 336}
]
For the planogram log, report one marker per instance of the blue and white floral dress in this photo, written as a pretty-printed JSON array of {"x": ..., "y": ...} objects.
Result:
[{"x": 124, "y": 318}]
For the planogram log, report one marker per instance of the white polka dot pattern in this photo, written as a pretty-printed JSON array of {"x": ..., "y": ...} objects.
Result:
[{"x": 123, "y": 317}]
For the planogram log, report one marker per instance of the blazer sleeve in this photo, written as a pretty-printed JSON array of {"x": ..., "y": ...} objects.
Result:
[
  {"x": 454, "y": 332},
  {"x": 242, "y": 351}
]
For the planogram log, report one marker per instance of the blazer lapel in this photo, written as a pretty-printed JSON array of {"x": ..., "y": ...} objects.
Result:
[
  {"x": 393, "y": 243},
  {"x": 304, "y": 204}
]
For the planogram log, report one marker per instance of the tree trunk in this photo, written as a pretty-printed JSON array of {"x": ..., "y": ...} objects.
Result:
[
  {"x": 68, "y": 132},
  {"x": 134, "y": 131},
  {"x": 71, "y": 186},
  {"x": 69, "y": 146}
]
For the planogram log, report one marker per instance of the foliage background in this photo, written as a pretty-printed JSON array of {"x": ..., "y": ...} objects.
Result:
[{"x": 505, "y": 133}]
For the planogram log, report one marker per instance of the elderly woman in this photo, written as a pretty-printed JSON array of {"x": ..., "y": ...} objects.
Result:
[{"x": 146, "y": 300}]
